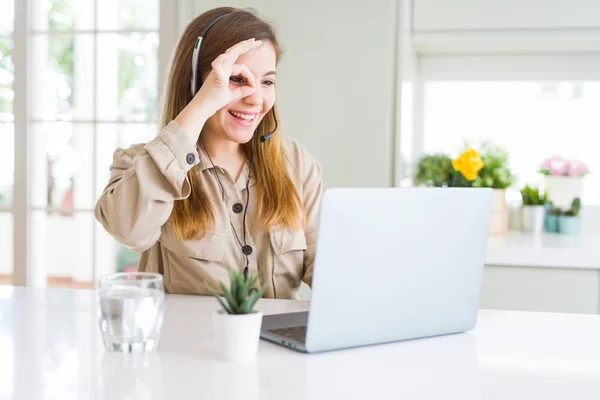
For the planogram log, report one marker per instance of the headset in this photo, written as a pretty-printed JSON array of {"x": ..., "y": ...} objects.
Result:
[{"x": 246, "y": 250}]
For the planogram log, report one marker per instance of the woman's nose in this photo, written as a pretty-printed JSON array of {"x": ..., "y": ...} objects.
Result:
[{"x": 256, "y": 98}]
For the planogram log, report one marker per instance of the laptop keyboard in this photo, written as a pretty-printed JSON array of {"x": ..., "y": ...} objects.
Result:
[{"x": 297, "y": 333}]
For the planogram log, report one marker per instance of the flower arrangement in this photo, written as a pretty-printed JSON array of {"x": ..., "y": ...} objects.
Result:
[
  {"x": 486, "y": 167},
  {"x": 560, "y": 166},
  {"x": 468, "y": 163},
  {"x": 496, "y": 172}
]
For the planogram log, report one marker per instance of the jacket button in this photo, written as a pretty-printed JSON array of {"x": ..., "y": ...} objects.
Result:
[
  {"x": 237, "y": 208},
  {"x": 190, "y": 158},
  {"x": 247, "y": 250}
]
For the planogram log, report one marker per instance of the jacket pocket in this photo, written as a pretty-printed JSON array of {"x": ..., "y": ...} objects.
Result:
[
  {"x": 288, "y": 260},
  {"x": 191, "y": 263}
]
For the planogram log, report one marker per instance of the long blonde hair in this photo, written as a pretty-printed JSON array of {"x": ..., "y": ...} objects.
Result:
[{"x": 277, "y": 198}]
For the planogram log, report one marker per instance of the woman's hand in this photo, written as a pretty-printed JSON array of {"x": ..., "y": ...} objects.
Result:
[{"x": 215, "y": 92}]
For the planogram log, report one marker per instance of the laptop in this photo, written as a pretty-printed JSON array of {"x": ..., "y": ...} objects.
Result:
[{"x": 391, "y": 264}]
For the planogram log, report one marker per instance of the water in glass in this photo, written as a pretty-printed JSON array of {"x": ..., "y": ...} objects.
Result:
[{"x": 130, "y": 311}]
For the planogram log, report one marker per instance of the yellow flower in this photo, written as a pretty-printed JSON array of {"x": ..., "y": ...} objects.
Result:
[{"x": 468, "y": 164}]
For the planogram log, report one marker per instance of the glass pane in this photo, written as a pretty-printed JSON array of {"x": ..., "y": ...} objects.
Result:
[
  {"x": 62, "y": 15},
  {"x": 7, "y": 163},
  {"x": 62, "y": 165},
  {"x": 61, "y": 76},
  {"x": 63, "y": 247},
  {"x": 534, "y": 120},
  {"x": 128, "y": 73},
  {"x": 7, "y": 16},
  {"x": 6, "y": 248},
  {"x": 7, "y": 76},
  {"x": 128, "y": 14},
  {"x": 112, "y": 256},
  {"x": 112, "y": 136}
]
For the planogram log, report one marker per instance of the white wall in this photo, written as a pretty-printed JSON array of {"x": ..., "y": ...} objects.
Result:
[
  {"x": 505, "y": 14},
  {"x": 336, "y": 82},
  {"x": 507, "y": 26}
]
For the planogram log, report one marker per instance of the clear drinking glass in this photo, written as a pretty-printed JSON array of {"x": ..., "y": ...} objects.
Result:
[{"x": 130, "y": 311}]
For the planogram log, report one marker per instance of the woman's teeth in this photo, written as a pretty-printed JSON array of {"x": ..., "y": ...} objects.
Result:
[{"x": 247, "y": 117}]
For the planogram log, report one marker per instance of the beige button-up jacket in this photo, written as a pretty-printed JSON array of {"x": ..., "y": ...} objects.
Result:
[{"x": 146, "y": 179}]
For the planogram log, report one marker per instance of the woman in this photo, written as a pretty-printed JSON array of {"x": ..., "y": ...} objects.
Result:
[{"x": 219, "y": 187}]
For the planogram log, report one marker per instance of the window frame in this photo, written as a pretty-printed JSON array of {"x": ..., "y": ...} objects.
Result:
[{"x": 26, "y": 272}]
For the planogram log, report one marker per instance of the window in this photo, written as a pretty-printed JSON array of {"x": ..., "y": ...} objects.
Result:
[
  {"x": 93, "y": 86},
  {"x": 533, "y": 119}
]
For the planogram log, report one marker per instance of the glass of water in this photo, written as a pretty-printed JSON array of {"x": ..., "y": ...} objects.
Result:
[{"x": 130, "y": 311}]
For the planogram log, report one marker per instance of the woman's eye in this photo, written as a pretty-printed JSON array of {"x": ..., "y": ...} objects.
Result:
[
  {"x": 237, "y": 79},
  {"x": 268, "y": 83}
]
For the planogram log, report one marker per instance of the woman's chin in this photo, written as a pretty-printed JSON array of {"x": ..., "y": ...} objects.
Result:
[{"x": 240, "y": 136}]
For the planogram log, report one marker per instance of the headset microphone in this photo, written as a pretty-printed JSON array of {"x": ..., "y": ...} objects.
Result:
[{"x": 266, "y": 136}]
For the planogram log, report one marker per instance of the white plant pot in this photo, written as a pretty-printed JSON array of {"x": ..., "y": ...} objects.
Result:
[
  {"x": 563, "y": 189},
  {"x": 237, "y": 336},
  {"x": 532, "y": 219}
]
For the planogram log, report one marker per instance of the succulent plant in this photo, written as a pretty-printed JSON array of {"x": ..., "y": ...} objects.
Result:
[
  {"x": 552, "y": 210},
  {"x": 533, "y": 197},
  {"x": 575, "y": 208},
  {"x": 240, "y": 298}
]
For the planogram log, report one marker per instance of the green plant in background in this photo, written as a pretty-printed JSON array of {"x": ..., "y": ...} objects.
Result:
[
  {"x": 496, "y": 172},
  {"x": 240, "y": 299},
  {"x": 127, "y": 259},
  {"x": 552, "y": 210},
  {"x": 434, "y": 170},
  {"x": 532, "y": 196},
  {"x": 575, "y": 208}
]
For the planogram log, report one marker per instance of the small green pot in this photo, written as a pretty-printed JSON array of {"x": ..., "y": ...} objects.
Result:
[{"x": 569, "y": 225}]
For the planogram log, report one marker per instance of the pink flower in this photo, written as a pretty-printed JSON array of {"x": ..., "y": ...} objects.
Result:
[
  {"x": 578, "y": 168},
  {"x": 560, "y": 166},
  {"x": 555, "y": 165},
  {"x": 546, "y": 164},
  {"x": 561, "y": 169}
]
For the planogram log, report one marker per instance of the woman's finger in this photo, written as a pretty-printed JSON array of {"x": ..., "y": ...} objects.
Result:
[
  {"x": 221, "y": 75},
  {"x": 243, "y": 71},
  {"x": 232, "y": 53},
  {"x": 248, "y": 86},
  {"x": 242, "y": 91}
]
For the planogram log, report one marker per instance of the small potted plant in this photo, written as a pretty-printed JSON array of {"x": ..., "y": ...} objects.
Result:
[
  {"x": 569, "y": 222},
  {"x": 551, "y": 218},
  {"x": 533, "y": 210},
  {"x": 563, "y": 179},
  {"x": 237, "y": 325}
]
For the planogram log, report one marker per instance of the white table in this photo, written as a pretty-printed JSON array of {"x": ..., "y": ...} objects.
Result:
[
  {"x": 50, "y": 349},
  {"x": 548, "y": 250}
]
